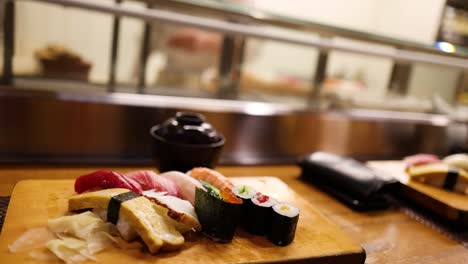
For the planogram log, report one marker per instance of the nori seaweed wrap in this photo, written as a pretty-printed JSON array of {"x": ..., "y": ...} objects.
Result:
[
  {"x": 245, "y": 193},
  {"x": 258, "y": 214},
  {"x": 218, "y": 216},
  {"x": 283, "y": 224}
]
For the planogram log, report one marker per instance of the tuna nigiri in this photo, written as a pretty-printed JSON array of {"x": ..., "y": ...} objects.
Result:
[
  {"x": 105, "y": 179},
  {"x": 186, "y": 184},
  {"x": 136, "y": 181},
  {"x": 211, "y": 176}
]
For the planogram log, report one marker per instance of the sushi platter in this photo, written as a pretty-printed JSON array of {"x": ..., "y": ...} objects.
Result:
[
  {"x": 316, "y": 240},
  {"x": 447, "y": 204}
]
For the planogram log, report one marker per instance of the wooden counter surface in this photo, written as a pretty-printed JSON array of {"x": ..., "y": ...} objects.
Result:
[{"x": 388, "y": 236}]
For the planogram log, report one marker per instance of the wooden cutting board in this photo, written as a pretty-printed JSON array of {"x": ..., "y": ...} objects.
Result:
[
  {"x": 450, "y": 205},
  {"x": 317, "y": 239}
]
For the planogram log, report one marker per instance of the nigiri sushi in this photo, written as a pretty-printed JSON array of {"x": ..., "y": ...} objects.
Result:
[
  {"x": 136, "y": 181},
  {"x": 149, "y": 180},
  {"x": 137, "y": 211},
  {"x": 186, "y": 184},
  {"x": 459, "y": 160},
  {"x": 181, "y": 213},
  {"x": 420, "y": 159},
  {"x": 212, "y": 177},
  {"x": 105, "y": 179},
  {"x": 441, "y": 175}
]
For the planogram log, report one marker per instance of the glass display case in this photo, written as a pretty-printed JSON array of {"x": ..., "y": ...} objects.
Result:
[
  {"x": 243, "y": 50},
  {"x": 454, "y": 25},
  {"x": 279, "y": 67}
]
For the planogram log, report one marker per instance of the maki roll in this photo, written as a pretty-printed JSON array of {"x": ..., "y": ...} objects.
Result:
[
  {"x": 283, "y": 224},
  {"x": 245, "y": 193},
  {"x": 258, "y": 214},
  {"x": 218, "y": 212}
]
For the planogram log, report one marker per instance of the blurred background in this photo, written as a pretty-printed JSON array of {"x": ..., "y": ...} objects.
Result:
[{"x": 366, "y": 78}]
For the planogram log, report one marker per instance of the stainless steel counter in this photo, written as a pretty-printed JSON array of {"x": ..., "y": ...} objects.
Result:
[{"x": 64, "y": 127}]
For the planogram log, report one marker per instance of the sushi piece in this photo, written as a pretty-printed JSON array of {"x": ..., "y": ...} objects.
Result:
[
  {"x": 442, "y": 176},
  {"x": 137, "y": 211},
  {"x": 212, "y": 177},
  {"x": 136, "y": 181},
  {"x": 211, "y": 189},
  {"x": 457, "y": 160},
  {"x": 283, "y": 224},
  {"x": 420, "y": 159},
  {"x": 149, "y": 180},
  {"x": 180, "y": 212},
  {"x": 218, "y": 216},
  {"x": 185, "y": 183},
  {"x": 258, "y": 214},
  {"x": 246, "y": 193},
  {"x": 105, "y": 179}
]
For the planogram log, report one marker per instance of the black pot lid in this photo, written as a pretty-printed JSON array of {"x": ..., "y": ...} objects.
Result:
[{"x": 188, "y": 128}]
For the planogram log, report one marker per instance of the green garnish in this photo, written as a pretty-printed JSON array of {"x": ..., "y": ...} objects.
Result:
[
  {"x": 243, "y": 189},
  {"x": 211, "y": 189}
]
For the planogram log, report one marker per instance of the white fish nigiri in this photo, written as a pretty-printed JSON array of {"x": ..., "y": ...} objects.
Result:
[
  {"x": 459, "y": 160},
  {"x": 185, "y": 183},
  {"x": 149, "y": 180}
]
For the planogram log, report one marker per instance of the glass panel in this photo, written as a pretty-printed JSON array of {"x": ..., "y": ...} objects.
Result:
[
  {"x": 129, "y": 47},
  {"x": 64, "y": 43},
  {"x": 276, "y": 72},
  {"x": 463, "y": 92},
  {"x": 381, "y": 21},
  {"x": 454, "y": 25},
  {"x": 184, "y": 61},
  {"x": 2, "y": 9},
  {"x": 352, "y": 77}
]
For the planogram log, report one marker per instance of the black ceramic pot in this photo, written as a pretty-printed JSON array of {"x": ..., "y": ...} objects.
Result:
[{"x": 184, "y": 142}]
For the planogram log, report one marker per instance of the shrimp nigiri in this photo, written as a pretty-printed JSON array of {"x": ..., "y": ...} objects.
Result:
[{"x": 212, "y": 177}]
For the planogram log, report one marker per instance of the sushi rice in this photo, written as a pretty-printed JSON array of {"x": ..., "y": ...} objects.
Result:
[
  {"x": 244, "y": 191},
  {"x": 263, "y": 200},
  {"x": 286, "y": 210}
]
